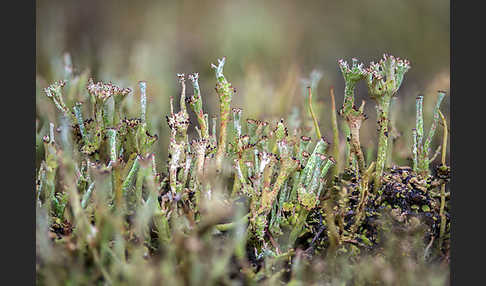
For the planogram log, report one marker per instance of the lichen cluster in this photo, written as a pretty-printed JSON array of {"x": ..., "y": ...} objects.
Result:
[{"x": 263, "y": 191}]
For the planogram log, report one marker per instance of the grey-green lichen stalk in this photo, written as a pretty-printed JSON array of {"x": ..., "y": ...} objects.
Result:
[
  {"x": 384, "y": 79},
  {"x": 421, "y": 150},
  {"x": 354, "y": 116},
  {"x": 225, "y": 92},
  {"x": 196, "y": 105},
  {"x": 178, "y": 124}
]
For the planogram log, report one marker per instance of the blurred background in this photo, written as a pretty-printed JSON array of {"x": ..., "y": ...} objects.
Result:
[{"x": 271, "y": 48}]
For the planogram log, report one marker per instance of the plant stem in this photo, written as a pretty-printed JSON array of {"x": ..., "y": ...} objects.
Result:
[
  {"x": 316, "y": 125},
  {"x": 442, "y": 187},
  {"x": 225, "y": 92},
  {"x": 335, "y": 132},
  {"x": 364, "y": 194},
  {"x": 383, "y": 121},
  {"x": 355, "y": 122},
  {"x": 196, "y": 104}
]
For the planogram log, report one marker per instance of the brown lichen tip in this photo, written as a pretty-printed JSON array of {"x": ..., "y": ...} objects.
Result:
[
  {"x": 155, "y": 136},
  {"x": 305, "y": 138},
  {"x": 145, "y": 161},
  {"x": 331, "y": 158},
  {"x": 177, "y": 120},
  {"x": 193, "y": 77},
  {"x": 191, "y": 100},
  {"x": 251, "y": 121},
  {"x": 325, "y": 140},
  {"x": 245, "y": 140},
  {"x": 267, "y": 156},
  {"x": 321, "y": 156},
  {"x": 262, "y": 123},
  {"x": 131, "y": 122},
  {"x": 181, "y": 77},
  {"x": 196, "y": 142}
]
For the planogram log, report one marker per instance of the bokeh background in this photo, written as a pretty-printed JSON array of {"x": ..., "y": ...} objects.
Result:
[{"x": 271, "y": 48}]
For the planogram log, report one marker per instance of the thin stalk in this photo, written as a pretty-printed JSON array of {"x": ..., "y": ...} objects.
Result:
[
  {"x": 384, "y": 79},
  {"x": 288, "y": 167},
  {"x": 347, "y": 154},
  {"x": 232, "y": 225},
  {"x": 139, "y": 180},
  {"x": 419, "y": 127},
  {"x": 355, "y": 119},
  {"x": 87, "y": 195},
  {"x": 442, "y": 187},
  {"x": 415, "y": 150},
  {"x": 316, "y": 125},
  {"x": 41, "y": 177},
  {"x": 430, "y": 136},
  {"x": 383, "y": 122},
  {"x": 176, "y": 152},
  {"x": 79, "y": 118},
  {"x": 444, "y": 139},
  {"x": 364, "y": 194},
  {"x": 143, "y": 101},
  {"x": 111, "y": 134},
  {"x": 335, "y": 132},
  {"x": 195, "y": 102},
  {"x": 225, "y": 92},
  {"x": 332, "y": 232},
  {"x": 297, "y": 228},
  {"x": 127, "y": 182}
]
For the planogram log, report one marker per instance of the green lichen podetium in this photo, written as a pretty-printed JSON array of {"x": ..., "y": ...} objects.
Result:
[
  {"x": 288, "y": 166},
  {"x": 225, "y": 92},
  {"x": 335, "y": 134},
  {"x": 421, "y": 152},
  {"x": 307, "y": 190},
  {"x": 310, "y": 187},
  {"x": 143, "y": 102},
  {"x": 384, "y": 79},
  {"x": 144, "y": 140},
  {"x": 195, "y": 102},
  {"x": 354, "y": 116},
  {"x": 199, "y": 148},
  {"x": 236, "y": 130},
  {"x": 310, "y": 84},
  {"x": 311, "y": 112},
  {"x": 268, "y": 197},
  {"x": 178, "y": 123},
  {"x": 50, "y": 168},
  {"x": 99, "y": 93},
  {"x": 54, "y": 92}
]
